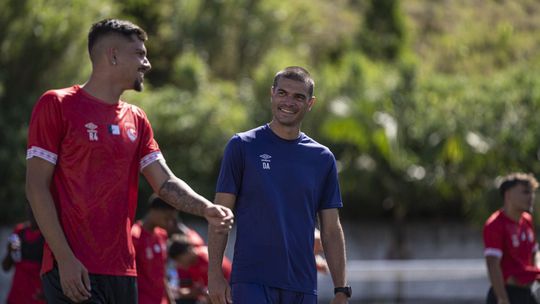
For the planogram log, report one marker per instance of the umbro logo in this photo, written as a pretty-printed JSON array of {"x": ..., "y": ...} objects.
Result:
[
  {"x": 91, "y": 128},
  {"x": 265, "y": 160}
]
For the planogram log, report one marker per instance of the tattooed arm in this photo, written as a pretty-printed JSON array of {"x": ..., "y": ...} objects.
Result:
[{"x": 180, "y": 195}]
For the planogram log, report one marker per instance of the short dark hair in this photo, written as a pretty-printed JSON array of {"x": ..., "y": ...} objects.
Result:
[
  {"x": 157, "y": 203},
  {"x": 296, "y": 73},
  {"x": 178, "y": 245},
  {"x": 114, "y": 26},
  {"x": 517, "y": 178}
]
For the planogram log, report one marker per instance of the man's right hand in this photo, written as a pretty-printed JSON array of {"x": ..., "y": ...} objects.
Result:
[
  {"x": 74, "y": 280},
  {"x": 219, "y": 217},
  {"x": 219, "y": 290}
]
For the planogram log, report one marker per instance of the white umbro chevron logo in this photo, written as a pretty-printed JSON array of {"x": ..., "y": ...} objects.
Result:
[
  {"x": 91, "y": 128},
  {"x": 265, "y": 159}
]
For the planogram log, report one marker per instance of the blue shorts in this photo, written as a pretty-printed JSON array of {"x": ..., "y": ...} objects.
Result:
[{"x": 249, "y": 293}]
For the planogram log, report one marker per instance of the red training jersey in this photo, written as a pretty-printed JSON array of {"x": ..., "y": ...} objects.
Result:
[
  {"x": 514, "y": 243},
  {"x": 98, "y": 150},
  {"x": 26, "y": 284},
  {"x": 151, "y": 257},
  {"x": 197, "y": 274}
]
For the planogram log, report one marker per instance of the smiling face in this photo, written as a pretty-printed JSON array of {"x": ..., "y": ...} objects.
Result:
[
  {"x": 131, "y": 63},
  {"x": 290, "y": 101}
]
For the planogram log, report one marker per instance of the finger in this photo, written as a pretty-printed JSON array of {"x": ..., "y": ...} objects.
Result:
[
  {"x": 228, "y": 212},
  {"x": 72, "y": 294},
  {"x": 213, "y": 298},
  {"x": 86, "y": 282},
  {"x": 220, "y": 299},
  {"x": 228, "y": 294},
  {"x": 79, "y": 292},
  {"x": 223, "y": 230},
  {"x": 220, "y": 212},
  {"x": 82, "y": 291},
  {"x": 220, "y": 229}
]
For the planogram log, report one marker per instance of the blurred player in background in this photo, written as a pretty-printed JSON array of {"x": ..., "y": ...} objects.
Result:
[
  {"x": 24, "y": 253},
  {"x": 510, "y": 243}
]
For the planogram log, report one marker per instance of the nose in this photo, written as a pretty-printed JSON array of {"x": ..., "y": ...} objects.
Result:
[
  {"x": 289, "y": 99},
  {"x": 146, "y": 64}
]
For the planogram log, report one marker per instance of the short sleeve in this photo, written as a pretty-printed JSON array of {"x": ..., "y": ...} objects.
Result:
[
  {"x": 230, "y": 175},
  {"x": 331, "y": 194},
  {"x": 46, "y": 131},
  {"x": 149, "y": 148},
  {"x": 493, "y": 240}
]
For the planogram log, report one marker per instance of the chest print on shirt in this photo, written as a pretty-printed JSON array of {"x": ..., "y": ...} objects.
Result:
[
  {"x": 131, "y": 131},
  {"x": 157, "y": 248},
  {"x": 515, "y": 240},
  {"x": 149, "y": 253},
  {"x": 265, "y": 161},
  {"x": 91, "y": 128},
  {"x": 114, "y": 129}
]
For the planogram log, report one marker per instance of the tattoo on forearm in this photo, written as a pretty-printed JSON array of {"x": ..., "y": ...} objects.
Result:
[{"x": 178, "y": 194}]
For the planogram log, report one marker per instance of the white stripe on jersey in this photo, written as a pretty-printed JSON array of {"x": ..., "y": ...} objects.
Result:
[
  {"x": 150, "y": 158},
  {"x": 41, "y": 153},
  {"x": 493, "y": 252}
]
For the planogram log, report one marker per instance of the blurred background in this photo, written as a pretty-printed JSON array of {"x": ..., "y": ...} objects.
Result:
[{"x": 424, "y": 103}]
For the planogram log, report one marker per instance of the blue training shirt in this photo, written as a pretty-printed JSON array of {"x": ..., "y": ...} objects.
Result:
[{"x": 280, "y": 185}]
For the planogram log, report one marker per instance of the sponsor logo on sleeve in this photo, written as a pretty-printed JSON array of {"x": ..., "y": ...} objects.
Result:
[{"x": 114, "y": 129}]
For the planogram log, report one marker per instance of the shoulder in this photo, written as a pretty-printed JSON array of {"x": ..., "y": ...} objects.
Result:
[
  {"x": 58, "y": 96},
  {"x": 527, "y": 217},
  {"x": 136, "y": 230},
  {"x": 245, "y": 138},
  {"x": 250, "y": 135},
  {"x": 317, "y": 148},
  {"x": 136, "y": 110},
  {"x": 494, "y": 220},
  {"x": 161, "y": 233}
]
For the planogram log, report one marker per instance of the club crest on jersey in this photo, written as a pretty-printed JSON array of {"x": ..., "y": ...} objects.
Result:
[
  {"x": 149, "y": 253},
  {"x": 91, "y": 128},
  {"x": 132, "y": 133},
  {"x": 265, "y": 160}
]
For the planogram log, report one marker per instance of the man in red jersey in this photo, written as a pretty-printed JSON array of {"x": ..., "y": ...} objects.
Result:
[
  {"x": 86, "y": 148},
  {"x": 510, "y": 243},
  {"x": 150, "y": 242},
  {"x": 192, "y": 265},
  {"x": 24, "y": 253}
]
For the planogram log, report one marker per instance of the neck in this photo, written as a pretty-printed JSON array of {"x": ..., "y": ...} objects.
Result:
[
  {"x": 103, "y": 89},
  {"x": 285, "y": 132},
  {"x": 512, "y": 213},
  {"x": 148, "y": 225}
]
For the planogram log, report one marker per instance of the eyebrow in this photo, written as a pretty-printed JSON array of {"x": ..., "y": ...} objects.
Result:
[{"x": 295, "y": 94}]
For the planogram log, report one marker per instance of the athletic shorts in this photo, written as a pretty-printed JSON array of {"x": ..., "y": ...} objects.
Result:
[
  {"x": 249, "y": 293},
  {"x": 106, "y": 289},
  {"x": 516, "y": 295}
]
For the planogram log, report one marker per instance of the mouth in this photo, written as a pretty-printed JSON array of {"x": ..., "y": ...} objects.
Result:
[{"x": 286, "y": 111}]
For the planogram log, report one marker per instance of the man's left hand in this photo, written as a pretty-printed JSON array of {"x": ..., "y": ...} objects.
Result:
[{"x": 340, "y": 298}]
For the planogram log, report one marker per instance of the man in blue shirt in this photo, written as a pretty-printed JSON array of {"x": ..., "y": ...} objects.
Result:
[{"x": 279, "y": 180}]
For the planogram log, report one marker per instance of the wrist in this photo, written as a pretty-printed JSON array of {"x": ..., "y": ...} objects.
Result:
[
  {"x": 215, "y": 273},
  {"x": 345, "y": 291}
]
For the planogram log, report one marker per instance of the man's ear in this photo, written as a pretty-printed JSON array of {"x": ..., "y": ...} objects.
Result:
[
  {"x": 311, "y": 102},
  {"x": 111, "y": 55}
]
